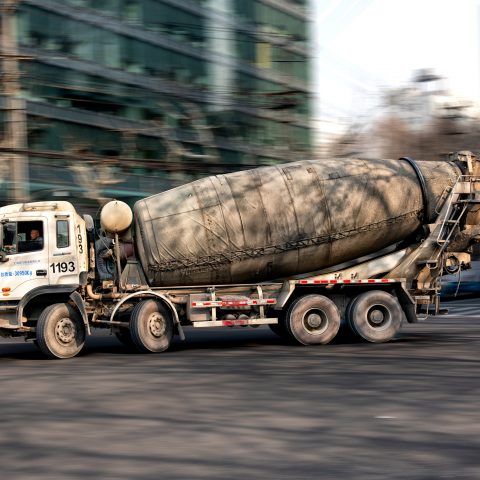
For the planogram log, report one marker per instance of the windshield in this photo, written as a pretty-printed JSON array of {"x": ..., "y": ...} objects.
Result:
[{"x": 20, "y": 237}]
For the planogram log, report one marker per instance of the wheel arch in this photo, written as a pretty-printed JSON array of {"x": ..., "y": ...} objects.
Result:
[
  {"x": 151, "y": 294},
  {"x": 42, "y": 297},
  {"x": 291, "y": 291}
]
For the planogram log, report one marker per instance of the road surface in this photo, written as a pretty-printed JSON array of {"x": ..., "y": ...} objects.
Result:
[{"x": 245, "y": 404}]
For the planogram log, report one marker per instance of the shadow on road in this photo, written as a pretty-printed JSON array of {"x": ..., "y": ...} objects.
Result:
[{"x": 220, "y": 340}]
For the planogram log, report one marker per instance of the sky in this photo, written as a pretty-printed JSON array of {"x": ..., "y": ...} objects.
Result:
[{"x": 364, "y": 46}]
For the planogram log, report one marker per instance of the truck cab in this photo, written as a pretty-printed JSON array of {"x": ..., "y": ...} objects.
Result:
[{"x": 43, "y": 254}]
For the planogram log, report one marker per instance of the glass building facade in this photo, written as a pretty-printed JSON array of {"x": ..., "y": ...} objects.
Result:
[{"x": 125, "y": 98}]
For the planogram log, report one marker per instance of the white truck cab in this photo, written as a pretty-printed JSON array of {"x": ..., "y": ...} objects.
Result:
[{"x": 43, "y": 251}]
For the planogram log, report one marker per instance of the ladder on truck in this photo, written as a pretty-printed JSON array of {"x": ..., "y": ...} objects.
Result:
[
  {"x": 456, "y": 209},
  {"x": 460, "y": 197}
]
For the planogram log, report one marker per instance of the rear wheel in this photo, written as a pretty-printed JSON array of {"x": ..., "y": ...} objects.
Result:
[
  {"x": 151, "y": 327},
  {"x": 60, "y": 331},
  {"x": 375, "y": 316},
  {"x": 313, "y": 319},
  {"x": 280, "y": 328}
]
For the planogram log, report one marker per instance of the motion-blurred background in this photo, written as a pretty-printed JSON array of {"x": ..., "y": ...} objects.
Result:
[{"x": 125, "y": 98}]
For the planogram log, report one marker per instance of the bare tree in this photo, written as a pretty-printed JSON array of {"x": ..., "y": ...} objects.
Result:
[{"x": 393, "y": 137}]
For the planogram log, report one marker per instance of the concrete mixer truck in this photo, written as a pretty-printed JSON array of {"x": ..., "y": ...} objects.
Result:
[{"x": 302, "y": 247}]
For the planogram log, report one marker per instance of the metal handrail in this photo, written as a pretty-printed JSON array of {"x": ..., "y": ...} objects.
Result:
[{"x": 462, "y": 178}]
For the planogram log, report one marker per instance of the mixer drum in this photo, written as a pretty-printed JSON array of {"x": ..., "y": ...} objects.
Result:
[{"x": 284, "y": 220}]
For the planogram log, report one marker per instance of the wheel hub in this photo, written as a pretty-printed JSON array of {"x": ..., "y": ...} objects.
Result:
[
  {"x": 156, "y": 325},
  {"x": 315, "y": 322},
  {"x": 378, "y": 316},
  {"x": 65, "y": 330}
]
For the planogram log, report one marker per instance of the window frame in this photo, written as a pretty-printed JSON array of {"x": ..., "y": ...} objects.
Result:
[{"x": 58, "y": 233}]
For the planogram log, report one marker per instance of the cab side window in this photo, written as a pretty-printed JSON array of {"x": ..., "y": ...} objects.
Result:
[
  {"x": 9, "y": 237},
  {"x": 30, "y": 236},
  {"x": 63, "y": 237},
  {"x": 21, "y": 237}
]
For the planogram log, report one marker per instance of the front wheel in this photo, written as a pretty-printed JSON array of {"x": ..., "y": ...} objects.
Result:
[
  {"x": 313, "y": 320},
  {"x": 125, "y": 338},
  {"x": 376, "y": 316},
  {"x": 151, "y": 327},
  {"x": 60, "y": 331}
]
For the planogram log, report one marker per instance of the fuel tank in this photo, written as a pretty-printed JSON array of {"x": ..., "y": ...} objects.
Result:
[{"x": 279, "y": 221}]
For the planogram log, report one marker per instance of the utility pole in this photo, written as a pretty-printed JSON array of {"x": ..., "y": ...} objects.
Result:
[{"x": 13, "y": 105}]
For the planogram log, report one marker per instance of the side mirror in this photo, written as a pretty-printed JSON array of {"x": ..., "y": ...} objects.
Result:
[{"x": 89, "y": 225}]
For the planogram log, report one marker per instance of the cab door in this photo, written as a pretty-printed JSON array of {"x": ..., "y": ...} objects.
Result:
[
  {"x": 63, "y": 263},
  {"x": 27, "y": 266}
]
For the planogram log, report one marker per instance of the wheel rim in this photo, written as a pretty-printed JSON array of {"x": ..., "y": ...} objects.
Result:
[
  {"x": 156, "y": 325},
  {"x": 315, "y": 321},
  {"x": 65, "y": 331},
  {"x": 378, "y": 316}
]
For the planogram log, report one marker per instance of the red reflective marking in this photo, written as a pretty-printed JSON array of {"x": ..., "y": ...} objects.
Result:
[
  {"x": 385, "y": 280},
  {"x": 303, "y": 282},
  {"x": 347, "y": 281},
  {"x": 232, "y": 303},
  {"x": 333, "y": 281},
  {"x": 231, "y": 323},
  {"x": 370, "y": 280}
]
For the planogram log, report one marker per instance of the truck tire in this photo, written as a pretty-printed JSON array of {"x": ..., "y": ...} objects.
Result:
[
  {"x": 313, "y": 320},
  {"x": 123, "y": 333},
  {"x": 151, "y": 327},
  {"x": 125, "y": 338},
  {"x": 60, "y": 331},
  {"x": 280, "y": 328},
  {"x": 376, "y": 316}
]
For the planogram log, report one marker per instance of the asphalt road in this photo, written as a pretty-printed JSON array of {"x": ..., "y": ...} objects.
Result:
[{"x": 244, "y": 404}]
